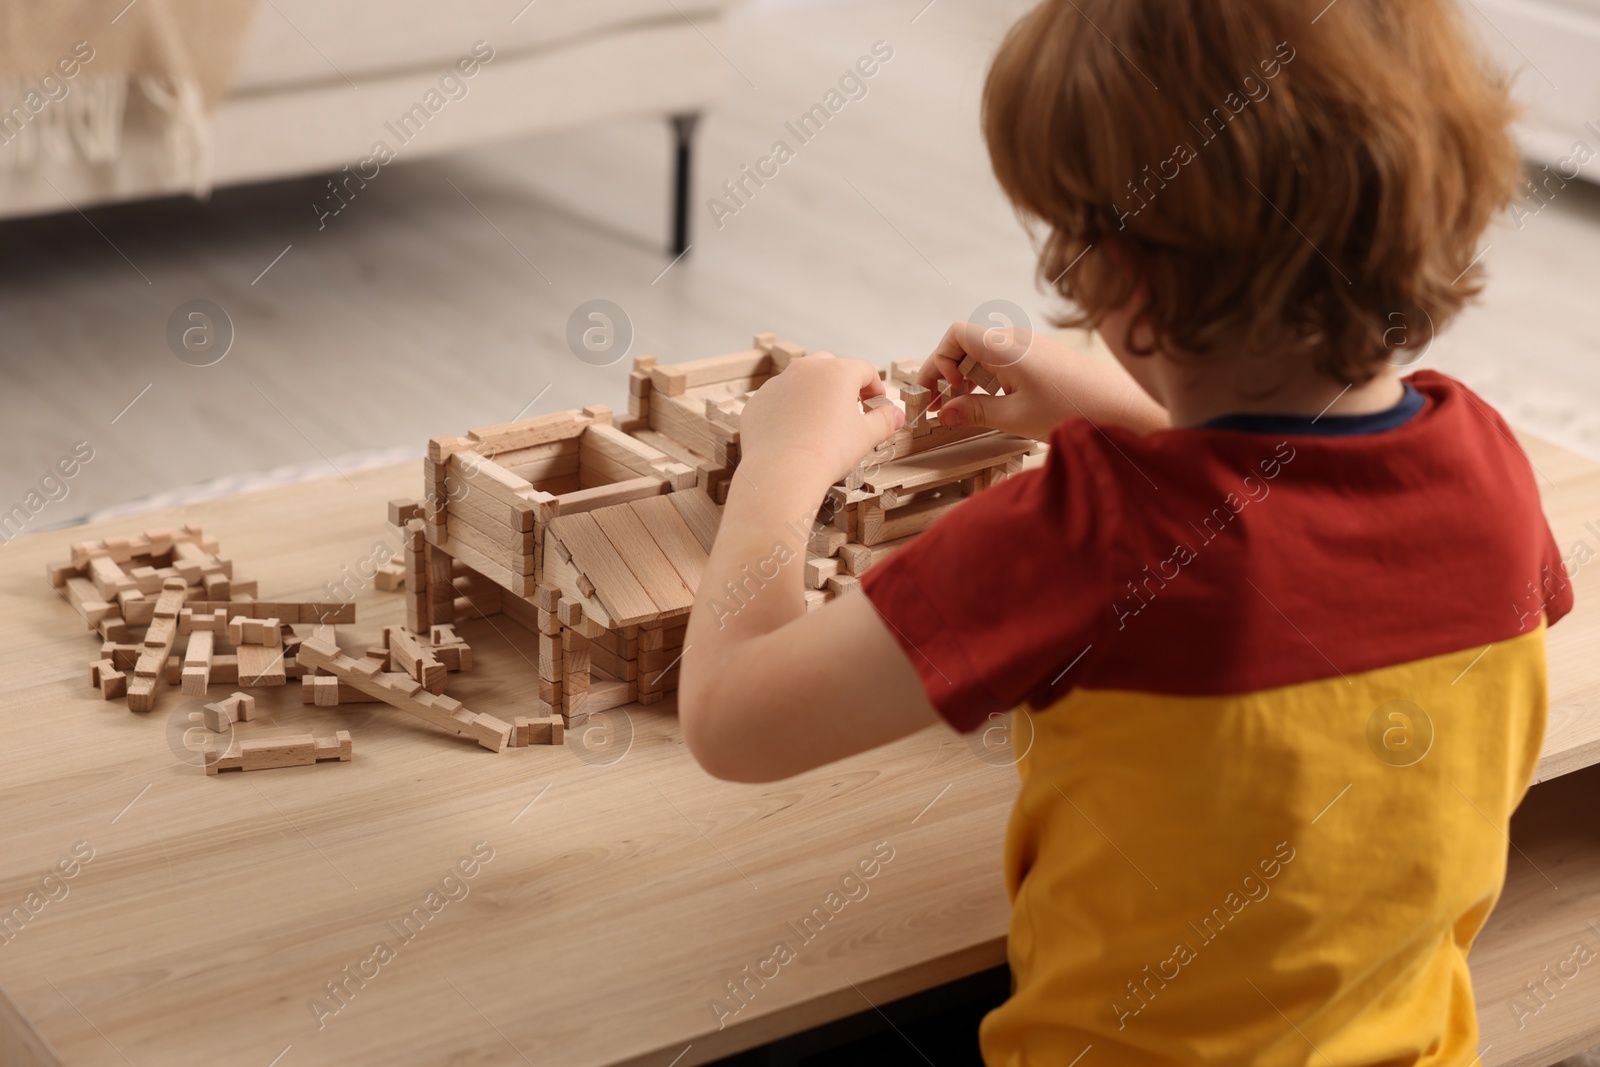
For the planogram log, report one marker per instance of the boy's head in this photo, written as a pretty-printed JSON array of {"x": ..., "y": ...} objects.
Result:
[{"x": 1254, "y": 176}]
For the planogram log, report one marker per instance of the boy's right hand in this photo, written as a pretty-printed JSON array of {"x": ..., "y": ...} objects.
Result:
[{"x": 1045, "y": 383}]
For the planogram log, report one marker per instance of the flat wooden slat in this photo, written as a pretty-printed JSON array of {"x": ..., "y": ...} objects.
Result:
[
  {"x": 603, "y": 496},
  {"x": 673, "y": 536},
  {"x": 621, "y": 449},
  {"x": 700, "y": 514},
  {"x": 525, "y": 433},
  {"x": 644, "y": 557},
  {"x": 625, "y": 599},
  {"x": 945, "y": 464}
]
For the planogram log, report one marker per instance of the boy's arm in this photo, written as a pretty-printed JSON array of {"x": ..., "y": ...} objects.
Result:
[{"x": 767, "y": 689}]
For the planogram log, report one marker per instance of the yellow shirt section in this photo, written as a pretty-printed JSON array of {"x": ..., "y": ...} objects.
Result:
[{"x": 1288, "y": 877}]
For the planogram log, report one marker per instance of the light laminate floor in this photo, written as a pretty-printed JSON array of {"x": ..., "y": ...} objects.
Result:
[{"x": 439, "y": 299}]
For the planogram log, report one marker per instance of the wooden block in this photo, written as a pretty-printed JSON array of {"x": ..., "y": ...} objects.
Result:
[
  {"x": 916, "y": 398},
  {"x": 436, "y": 709},
  {"x": 402, "y": 511},
  {"x": 906, "y": 371},
  {"x": 298, "y": 750},
  {"x": 668, "y": 380},
  {"x": 390, "y": 577},
  {"x": 764, "y": 341},
  {"x": 550, "y": 691},
  {"x": 261, "y": 665},
  {"x": 536, "y": 730},
  {"x": 83, "y": 596},
  {"x": 103, "y": 675},
  {"x": 538, "y": 430},
  {"x": 197, "y": 663},
  {"x": 784, "y": 353},
  {"x": 826, "y": 543},
  {"x": 869, "y": 521},
  {"x": 857, "y": 559},
  {"x": 408, "y": 654},
  {"x": 218, "y": 716},
  {"x": 669, "y": 636},
  {"x": 324, "y": 690},
  {"x": 841, "y": 584},
  {"x": 818, "y": 571},
  {"x": 605, "y": 695},
  {"x": 979, "y": 375},
  {"x": 109, "y": 579},
  {"x": 604, "y": 660}
]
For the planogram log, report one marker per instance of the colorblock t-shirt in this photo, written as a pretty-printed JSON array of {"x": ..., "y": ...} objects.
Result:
[{"x": 1281, "y": 685}]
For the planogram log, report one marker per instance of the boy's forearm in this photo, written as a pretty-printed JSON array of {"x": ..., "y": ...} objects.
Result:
[{"x": 755, "y": 573}]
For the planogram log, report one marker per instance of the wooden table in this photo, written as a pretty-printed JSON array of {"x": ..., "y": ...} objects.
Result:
[{"x": 626, "y": 888}]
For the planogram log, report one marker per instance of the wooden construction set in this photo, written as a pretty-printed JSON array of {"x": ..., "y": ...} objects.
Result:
[
  {"x": 591, "y": 533},
  {"x": 595, "y": 533}
]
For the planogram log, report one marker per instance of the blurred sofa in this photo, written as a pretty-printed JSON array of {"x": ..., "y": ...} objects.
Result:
[{"x": 319, "y": 83}]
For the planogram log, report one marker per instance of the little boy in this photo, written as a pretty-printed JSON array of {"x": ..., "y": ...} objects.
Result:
[{"x": 1275, "y": 615}]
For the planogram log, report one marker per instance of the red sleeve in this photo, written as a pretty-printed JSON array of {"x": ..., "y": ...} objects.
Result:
[{"x": 999, "y": 598}]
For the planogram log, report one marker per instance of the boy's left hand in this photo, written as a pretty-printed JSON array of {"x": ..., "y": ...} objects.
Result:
[{"x": 811, "y": 414}]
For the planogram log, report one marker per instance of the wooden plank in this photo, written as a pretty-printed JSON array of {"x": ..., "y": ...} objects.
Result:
[
  {"x": 644, "y": 557},
  {"x": 604, "y": 496},
  {"x": 442, "y": 711},
  {"x": 625, "y": 599},
  {"x": 673, "y": 536},
  {"x": 674, "y": 378},
  {"x": 617, "y": 447},
  {"x": 296, "y": 750},
  {"x": 685, "y": 423},
  {"x": 524, "y": 433},
  {"x": 661, "y": 442},
  {"x": 260, "y": 665},
  {"x": 699, "y": 514},
  {"x": 538, "y": 472},
  {"x": 950, "y": 463}
]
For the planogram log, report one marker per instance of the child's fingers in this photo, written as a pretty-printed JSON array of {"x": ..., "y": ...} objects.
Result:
[
  {"x": 980, "y": 410},
  {"x": 945, "y": 361},
  {"x": 884, "y": 419},
  {"x": 866, "y": 378}
]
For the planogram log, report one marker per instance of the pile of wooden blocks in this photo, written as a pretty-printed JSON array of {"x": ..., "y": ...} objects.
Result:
[
  {"x": 166, "y": 583},
  {"x": 173, "y": 584}
]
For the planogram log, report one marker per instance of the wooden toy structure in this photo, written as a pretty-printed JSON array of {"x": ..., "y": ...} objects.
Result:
[
  {"x": 592, "y": 534},
  {"x": 595, "y": 535}
]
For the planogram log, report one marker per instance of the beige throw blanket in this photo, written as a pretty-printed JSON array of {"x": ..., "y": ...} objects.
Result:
[{"x": 67, "y": 67}]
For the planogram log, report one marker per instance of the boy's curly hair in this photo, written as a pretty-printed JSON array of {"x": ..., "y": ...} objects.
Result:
[{"x": 1278, "y": 175}]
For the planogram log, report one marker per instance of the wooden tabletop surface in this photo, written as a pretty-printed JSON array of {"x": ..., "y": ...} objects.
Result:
[{"x": 615, "y": 890}]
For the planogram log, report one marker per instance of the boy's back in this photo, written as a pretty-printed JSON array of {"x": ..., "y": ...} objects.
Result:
[
  {"x": 1276, "y": 617},
  {"x": 1287, "y": 685}
]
